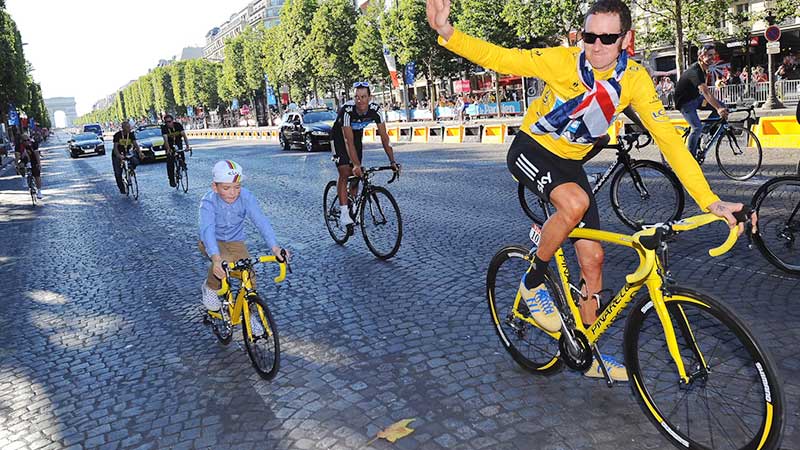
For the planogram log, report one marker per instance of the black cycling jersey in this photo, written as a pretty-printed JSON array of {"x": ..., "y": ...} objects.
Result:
[
  {"x": 348, "y": 116},
  {"x": 173, "y": 134}
]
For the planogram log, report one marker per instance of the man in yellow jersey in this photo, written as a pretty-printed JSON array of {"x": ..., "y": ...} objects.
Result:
[{"x": 584, "y": 92}]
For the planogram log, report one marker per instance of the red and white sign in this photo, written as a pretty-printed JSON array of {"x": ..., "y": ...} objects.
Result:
[
  {"x": 461, "y": 86},
  {"x": 772, "y": 33},
  {"x": 754, "y": 41}
]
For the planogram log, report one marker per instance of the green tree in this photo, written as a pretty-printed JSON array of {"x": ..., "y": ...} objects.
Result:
[
  {"x": 253, "y": 58},
  {"x": 119, "y": 107},
  {"x": 176, "y": 75},
  {"x": 13, "y": 69},
  {"x": 367, "y": 48},
  {"x": 682, "y": 22},
  {"x": 296, "y": 56},
  {"x": 542, "y": 22},
  {"x": 233, "y": 83},
  {"x": 406, "y": 33},
  {"x": 163, "y": 99},
  {"x": 274, "y": 48},
  {"x": 478, "y": 18},
  {"x": 147, "y": 95},
  {"x": 333, "y": 31}
]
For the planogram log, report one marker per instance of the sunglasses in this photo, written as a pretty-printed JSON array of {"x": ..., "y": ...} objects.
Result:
[
  {"x": 360, "y": 84},
  {"x": 606, "y": 39}
]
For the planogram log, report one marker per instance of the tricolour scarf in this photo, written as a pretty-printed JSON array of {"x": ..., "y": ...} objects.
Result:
[{"x": 586, "y": 117}]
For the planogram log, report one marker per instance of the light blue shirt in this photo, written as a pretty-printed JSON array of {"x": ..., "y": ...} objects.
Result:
[{"x": 223, "y": 221}]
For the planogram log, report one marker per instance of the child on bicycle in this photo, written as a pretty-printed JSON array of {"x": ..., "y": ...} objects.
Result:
[{"x": 223, "y": 211}]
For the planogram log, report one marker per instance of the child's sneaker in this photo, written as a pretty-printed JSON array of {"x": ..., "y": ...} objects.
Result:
[
  {"x": 543, "y": 310},
  {"x": 210, "y": 298},
  {"x": 255, "y": 324},
  {"x": 615, "y": 369}
]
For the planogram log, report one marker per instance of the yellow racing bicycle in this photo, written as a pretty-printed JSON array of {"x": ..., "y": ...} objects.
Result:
[
  {"x": 260, "y": 340},
  {"x": 694, "y": 366}
]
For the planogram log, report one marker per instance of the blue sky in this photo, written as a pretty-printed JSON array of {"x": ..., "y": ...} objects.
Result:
[{"x": 87, "y": 49}]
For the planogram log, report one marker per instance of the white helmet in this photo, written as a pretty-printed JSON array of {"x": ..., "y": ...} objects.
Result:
[{"x": 227, "y": 171}]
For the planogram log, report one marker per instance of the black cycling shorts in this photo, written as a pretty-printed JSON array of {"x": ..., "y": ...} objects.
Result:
[
  {"x": 542, "y": 171},
  {"x": 340, "y": 156}
]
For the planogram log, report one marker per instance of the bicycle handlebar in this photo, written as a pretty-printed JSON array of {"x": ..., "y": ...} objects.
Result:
[
  {"x": 247, "y": 263},
  {"x": 371, "y": 170}
]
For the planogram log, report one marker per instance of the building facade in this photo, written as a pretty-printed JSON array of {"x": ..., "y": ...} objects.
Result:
[{"x": 265, "y": 12}]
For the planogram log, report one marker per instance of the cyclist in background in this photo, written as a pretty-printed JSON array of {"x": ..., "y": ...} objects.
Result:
[
  {"x": 692, "y": 92},
  {"x": 174, "y": 137},
  {"x": 29, "y": 155},
  {"x": 124, "y": 141},
  {"x": 348, "y": 132}
]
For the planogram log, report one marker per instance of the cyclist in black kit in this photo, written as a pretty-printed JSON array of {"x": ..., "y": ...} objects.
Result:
[{"x": 348, "y": 131}]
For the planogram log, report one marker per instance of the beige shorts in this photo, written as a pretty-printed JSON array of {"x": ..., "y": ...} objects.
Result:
[{"x": 228, "y": 251}]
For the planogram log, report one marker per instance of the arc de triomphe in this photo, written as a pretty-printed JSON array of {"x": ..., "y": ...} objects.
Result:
[{"x": 64, "y": 104}]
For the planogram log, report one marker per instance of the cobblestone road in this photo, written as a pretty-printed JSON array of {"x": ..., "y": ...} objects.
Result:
[{"x": 102, "y": 344}]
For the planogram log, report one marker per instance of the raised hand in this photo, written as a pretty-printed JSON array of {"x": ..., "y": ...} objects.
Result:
[{"x": 439, "y": 17}]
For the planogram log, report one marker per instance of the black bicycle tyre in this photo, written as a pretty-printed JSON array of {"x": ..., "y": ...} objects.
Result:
[
  {"x": 551, "y": 363},
  {"x": 330, "y": 213},
  {"x": 631, "y": 218},
  {"x": 270, "y": 372},
  {"x": 534, "y": 212},
  {"x": 223, "y": 338},
  {"x": 681, "y": 304},
  {"x": 184, "y": 180},
  {"x": 765, "y": 219},
  {"x": 133, "y": 187},
  {"x": 727, "y": 137},
  {"x": 372, "y": 196}
]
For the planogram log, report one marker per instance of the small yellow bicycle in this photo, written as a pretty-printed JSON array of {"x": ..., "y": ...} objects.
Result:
[
  {"x": 263, "y": 346},
  {"x": 695, "y": 368}
]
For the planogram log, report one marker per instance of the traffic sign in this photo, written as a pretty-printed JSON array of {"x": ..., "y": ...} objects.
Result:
[
  {"x": 773, "y": 48},
  {"x": 772, "y": 33}
]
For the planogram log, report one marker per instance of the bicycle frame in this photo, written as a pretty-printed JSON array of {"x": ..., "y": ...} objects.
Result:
[
  {"x": 246, "y": 288},
  {"x": 648, "y": 274}
]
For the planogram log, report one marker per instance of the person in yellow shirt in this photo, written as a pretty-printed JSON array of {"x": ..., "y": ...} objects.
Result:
[{"x": 585, "y": 91}]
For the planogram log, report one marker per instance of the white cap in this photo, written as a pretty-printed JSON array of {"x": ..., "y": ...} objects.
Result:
[{"x": 227, "y": 171}]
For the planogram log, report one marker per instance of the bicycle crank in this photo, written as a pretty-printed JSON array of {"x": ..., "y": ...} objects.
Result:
[{"x": 575, "y": 350}]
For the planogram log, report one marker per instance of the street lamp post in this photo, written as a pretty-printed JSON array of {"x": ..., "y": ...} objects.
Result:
[{"x": 772, "y": 100}]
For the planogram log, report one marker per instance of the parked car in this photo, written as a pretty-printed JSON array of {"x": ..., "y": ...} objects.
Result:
[
  {"x": 151, "y": 141},
  {"x": 93, "y": 128},
  {"x": 308, "y": 128},
  {"x": 86, "y": 143}
]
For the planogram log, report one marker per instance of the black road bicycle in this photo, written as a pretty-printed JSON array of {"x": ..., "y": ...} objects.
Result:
[
  {"x": 373, "y": 208},
  {"x": 643, "y": 192},
  {"x": 737, "y": 149},
  {"x": 777, "y": 204},
  {"x": 181, "y": 171},
  {"x": 129, "y": 177}
]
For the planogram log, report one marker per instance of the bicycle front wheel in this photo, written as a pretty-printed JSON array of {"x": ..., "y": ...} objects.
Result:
[
  {"x": 739, "y": 153},
  {"x": 330, "y": 211},
  {"x": 184, "y": 179},
  {"x": 531, "y": 204},
  {"x": 733, "y": 399},
  {"x": 647, "y": 194},
  {"x": 531, "y": 347},
  {"x": 261, "y": 339},
  {"x": 381, "y": 223},
  {"x": 133, "y": 186},
  {"x": 777, "y": 205}
]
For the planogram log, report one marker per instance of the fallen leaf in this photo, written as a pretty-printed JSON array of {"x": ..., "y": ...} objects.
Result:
[{"x": 394, "y": 431}]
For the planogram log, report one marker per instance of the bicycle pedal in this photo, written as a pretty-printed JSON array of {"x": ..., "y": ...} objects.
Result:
[{"x": 599, "y": 358}]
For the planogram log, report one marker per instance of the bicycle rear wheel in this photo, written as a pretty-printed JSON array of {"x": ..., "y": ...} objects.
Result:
[
  {"x": 777, "y": 204},
  {"x": 264, "y": 350},
  {"x": 647, "y": 194},
  {"x": 739, "y": 153},
  {"x": 530, "y": 346},
  {"x": 531, "y": 204},
  {"x": 133, "y": 185},
  {"x": 381, "y": 223},
  {"x": 733, "y": 399},
  {"x": 330, "y": 211}
]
